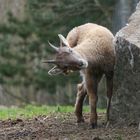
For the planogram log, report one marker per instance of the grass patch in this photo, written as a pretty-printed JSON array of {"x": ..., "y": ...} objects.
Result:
[{"x": 30, "y": 111}]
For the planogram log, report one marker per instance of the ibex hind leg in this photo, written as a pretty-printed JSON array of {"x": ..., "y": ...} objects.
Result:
[
  {"x": 109, "y": 85},
  {"x": 81, "y": 93},
  {"x": 92, "y": 81}
]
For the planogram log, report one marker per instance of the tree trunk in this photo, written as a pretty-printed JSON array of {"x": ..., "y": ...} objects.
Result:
[
  {"x": 126, "y": 100},
  {"x": 123, "y": 10}
]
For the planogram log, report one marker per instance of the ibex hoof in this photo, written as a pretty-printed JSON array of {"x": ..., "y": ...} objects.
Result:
[{"x": 93, "y": 125}]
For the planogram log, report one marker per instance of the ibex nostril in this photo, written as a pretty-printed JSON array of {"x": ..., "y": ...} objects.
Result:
[{"x": 81, "y": 64}]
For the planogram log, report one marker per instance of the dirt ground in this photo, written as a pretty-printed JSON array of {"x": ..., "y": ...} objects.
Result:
[{"x": 64, "y": 127}]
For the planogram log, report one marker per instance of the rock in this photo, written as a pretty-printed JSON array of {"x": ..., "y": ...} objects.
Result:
[{"x": 126, "y": 100}]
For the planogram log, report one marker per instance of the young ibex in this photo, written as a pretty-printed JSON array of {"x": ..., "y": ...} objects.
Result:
[{"x": 88, "y": 48}]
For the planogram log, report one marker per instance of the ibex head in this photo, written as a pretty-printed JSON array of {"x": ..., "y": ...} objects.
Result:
[{"x": 66, "y": 60}]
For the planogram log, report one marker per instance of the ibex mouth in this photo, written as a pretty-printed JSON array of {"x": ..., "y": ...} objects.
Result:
[{"x": 65, "y": 68}]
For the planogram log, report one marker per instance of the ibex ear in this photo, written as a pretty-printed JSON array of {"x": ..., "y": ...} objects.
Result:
[{"x": 63, "y": 41}]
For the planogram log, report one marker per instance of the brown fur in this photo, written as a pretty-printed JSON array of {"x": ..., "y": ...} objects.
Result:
[
  {"x": 95, "y": 44},
  {"x": 90, "y": 49}
]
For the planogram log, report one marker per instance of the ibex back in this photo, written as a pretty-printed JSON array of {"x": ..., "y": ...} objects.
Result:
[{"x": 88, "y": 48}]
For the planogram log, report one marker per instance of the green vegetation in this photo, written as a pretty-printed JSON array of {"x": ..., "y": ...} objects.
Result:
[
  {"x": 30, "y": 111},
  {"x": 119, "y": 137},
  {"x": 24, "y": 43}
]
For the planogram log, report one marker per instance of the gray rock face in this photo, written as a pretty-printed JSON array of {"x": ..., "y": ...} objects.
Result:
[{"x": 126, "y": 100}]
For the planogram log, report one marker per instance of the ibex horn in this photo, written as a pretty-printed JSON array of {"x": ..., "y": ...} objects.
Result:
[
  {"x": 63, "y": 40},
  {"x": 53, "y": 46},
  {"x": 49, "y": 61}
]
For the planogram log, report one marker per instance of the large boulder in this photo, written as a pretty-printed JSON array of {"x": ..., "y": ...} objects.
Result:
[{"x": 126, "y": 99}]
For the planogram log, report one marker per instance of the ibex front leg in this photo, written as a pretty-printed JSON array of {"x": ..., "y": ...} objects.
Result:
[
  {"x": 91, "y": 85},
  {"x": 81, "y": 93}
]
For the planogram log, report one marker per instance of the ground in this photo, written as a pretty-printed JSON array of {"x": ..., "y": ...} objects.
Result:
[{"x": 62, "y": 126}]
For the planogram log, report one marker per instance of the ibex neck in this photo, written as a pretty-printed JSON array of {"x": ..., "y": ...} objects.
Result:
[{"x": 80, "y": 52}]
